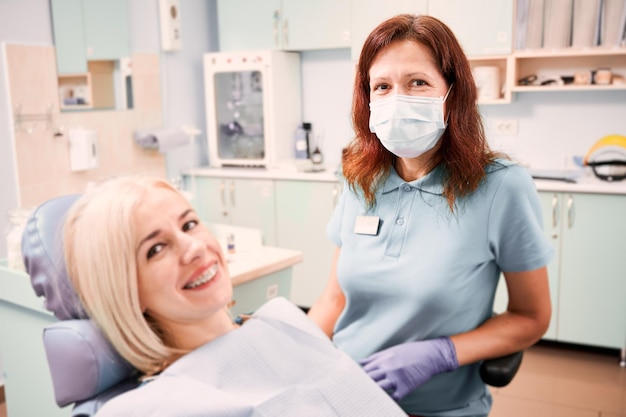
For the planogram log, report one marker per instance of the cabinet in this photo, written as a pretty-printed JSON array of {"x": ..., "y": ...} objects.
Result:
[
  {"x": 491, "y": 36},
  {"x": 587, "y": 278},
  {"x": 237, "y": 201},
  {"x": 89, "y": 30},
  {"x": 283, "y": 24},
  {"x": 303, "y": 209},
  {"x": 592, "y": 283},
  {"x": 367, "y": 14}
]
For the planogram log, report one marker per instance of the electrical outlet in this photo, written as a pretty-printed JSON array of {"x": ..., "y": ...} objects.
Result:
[
  {"x": 505, "y": 127},
  {"x": 272, "y": 291}
]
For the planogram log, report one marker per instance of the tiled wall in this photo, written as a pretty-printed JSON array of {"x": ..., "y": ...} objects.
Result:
[{"x": 43, "y": 168}]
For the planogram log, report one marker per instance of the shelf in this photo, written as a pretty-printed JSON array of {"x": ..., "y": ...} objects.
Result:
[
  {"x": 544, "y": 88},
  {"x": 503, "y": 62},
  {"x": 75, "y": 86},
  {"x": 553, "y": 64}
]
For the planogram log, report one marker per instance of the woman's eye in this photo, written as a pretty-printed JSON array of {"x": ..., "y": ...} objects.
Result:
[
  {"x": 189, "y": 225},
  {"x": 419, "y": 83},
  {"x": 154, "y": 250}
]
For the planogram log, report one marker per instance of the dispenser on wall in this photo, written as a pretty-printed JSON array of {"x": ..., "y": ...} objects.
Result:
[{"x": 83, "y": 149}]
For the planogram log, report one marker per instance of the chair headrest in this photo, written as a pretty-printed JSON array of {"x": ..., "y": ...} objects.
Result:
[
  {"x": 82, "y": 363},
  {"x": 42, "y": 250}
]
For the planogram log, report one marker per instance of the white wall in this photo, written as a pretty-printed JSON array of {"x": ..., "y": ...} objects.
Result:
[{"x": 554, "y": 126}]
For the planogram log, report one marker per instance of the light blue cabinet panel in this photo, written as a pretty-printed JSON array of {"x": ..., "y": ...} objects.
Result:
[
  {"x": 319, "y": 24},
  {"x": 484, "y": 27},
  {"x": 106, "y": 29},
  {"x": 89, "y": 30},
  {"x": 251, "y": 295},
  {"x": 367, "y": 14},
  {"x": 249, "y": 24},
  {"x": 293, "y": 25},
  {"x": 592, "y": 294},
  {"x": 238, "y": 202},
  {"x": 67, "y": 24},
  {"x": 303, "y": 209}
]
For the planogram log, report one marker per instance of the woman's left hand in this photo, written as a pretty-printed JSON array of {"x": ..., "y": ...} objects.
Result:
[{"x": 401, "y": 369}]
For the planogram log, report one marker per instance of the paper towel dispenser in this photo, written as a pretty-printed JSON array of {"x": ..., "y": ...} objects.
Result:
[{"x": 83, "y": 149}]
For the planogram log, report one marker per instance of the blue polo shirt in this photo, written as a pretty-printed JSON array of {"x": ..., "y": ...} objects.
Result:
[{"x": 428, "y": 272}]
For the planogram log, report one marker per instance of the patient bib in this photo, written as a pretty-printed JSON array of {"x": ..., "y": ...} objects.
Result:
[{"x": 278, "y": 363}]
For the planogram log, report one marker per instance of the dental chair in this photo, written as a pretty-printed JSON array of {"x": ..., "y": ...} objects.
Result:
[{"x": 86, "y": 370}]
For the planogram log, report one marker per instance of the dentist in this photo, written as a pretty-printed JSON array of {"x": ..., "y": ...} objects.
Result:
[{"x": 429, "y": 219}]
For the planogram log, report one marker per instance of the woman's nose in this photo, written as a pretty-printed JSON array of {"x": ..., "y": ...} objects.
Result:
[{"x": 192, "y": 248}]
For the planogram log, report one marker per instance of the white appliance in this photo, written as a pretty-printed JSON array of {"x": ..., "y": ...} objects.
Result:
[{"x": 253, "y": 106}]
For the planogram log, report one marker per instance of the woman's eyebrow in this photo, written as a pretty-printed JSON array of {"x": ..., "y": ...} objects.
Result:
[{"x": 147, "y": 238}]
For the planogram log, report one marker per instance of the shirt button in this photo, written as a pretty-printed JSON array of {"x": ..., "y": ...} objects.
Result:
[
  {"x": 407, "y": 188},
  {"x": 400, "y": 222}
]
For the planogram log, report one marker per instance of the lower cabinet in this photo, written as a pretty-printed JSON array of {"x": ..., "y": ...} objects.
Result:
[
  {"x": 588, "y": 272},
  {"x": 303, "y": 209},
  {"x": 251, "y": 295},
  {"x": 244, "y": 202}
]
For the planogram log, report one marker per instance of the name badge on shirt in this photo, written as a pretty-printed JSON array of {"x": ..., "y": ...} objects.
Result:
[{"x": 366, "y": 225}]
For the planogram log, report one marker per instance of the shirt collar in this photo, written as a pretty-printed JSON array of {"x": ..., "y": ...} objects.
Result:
[{"x": 431, "y": 183}]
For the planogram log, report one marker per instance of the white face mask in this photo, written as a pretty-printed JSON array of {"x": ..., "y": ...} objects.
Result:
[{"x": 408, "y": 126}]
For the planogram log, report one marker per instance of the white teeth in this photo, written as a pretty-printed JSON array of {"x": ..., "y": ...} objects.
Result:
[{"x": 204, "y": 278}]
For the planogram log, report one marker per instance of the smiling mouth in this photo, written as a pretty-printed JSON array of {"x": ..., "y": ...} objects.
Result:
[{"x": 204, "y": 278}]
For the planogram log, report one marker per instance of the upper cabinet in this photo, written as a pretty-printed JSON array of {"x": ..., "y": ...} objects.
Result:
[
  {"x": 89, "y": 30},
  {"x": 283, "y": 24},
  {"x": 367, "y": 14},
  {"x": 483, "y": 27},
  {"x": 91, "y": 39}
]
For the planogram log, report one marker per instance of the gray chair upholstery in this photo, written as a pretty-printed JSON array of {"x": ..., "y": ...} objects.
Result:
[{"x": 85, "y": 369}]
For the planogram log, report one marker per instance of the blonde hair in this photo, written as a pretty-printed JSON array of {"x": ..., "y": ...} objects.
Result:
[{"x": 100, "y": 253}]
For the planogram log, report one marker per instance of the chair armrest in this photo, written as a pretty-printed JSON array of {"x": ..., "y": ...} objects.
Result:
[{"x": 498, "y": 372}]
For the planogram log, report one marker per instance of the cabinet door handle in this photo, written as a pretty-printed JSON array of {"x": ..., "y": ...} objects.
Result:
[
  {"x": 223, "y": 192},
  {"x": 555, "y": 211},
  {"x": 275, "y": 30},
  {"x": 285, "y": 33},
  {"x": 570, "y": 211},
  {"x": 232, "y": 192}
]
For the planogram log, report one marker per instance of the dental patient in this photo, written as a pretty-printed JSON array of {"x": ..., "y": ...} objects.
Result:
[{"x": 155, "y": 281}]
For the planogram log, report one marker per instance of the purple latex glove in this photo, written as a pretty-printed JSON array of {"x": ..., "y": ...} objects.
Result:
[{"x": 402, "y": 368}]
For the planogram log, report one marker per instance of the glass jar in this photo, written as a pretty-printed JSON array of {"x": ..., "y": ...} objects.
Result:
[{"x": 15, "y": 229}]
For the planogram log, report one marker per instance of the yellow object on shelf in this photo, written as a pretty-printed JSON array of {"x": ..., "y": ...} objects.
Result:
[{"x": 609, "y": 145}]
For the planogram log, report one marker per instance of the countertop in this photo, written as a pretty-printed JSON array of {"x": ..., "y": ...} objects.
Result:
[
  {"x": 586, "y": 182},
  {"x": 283, "y": 171},
  {"x": 247, "y": 265}
]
